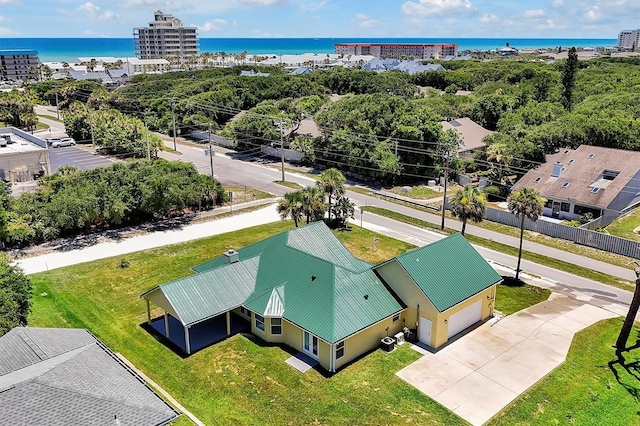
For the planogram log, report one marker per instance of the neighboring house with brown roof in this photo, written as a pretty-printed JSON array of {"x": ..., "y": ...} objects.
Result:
[
  {"x": 56, "y": 376},
  {"x": 471, "y": 134},
  {"x": 588, "y": 179}
]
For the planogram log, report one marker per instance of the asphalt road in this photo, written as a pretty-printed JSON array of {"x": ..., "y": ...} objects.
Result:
[{"x": 237, "y": 172}]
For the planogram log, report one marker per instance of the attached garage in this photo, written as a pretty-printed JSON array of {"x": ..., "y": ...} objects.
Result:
[
  {"x": 446, "y": 285},
  {"x": 464, "y": 319}
]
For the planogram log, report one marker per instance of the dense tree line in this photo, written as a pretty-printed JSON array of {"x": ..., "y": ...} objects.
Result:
[
  {"x": 15, "y": 295},
  {"x": 534, "y": 106},
  {"x": 73, "y": 201}
]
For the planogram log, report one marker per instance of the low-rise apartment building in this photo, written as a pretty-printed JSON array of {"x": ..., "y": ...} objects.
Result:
[
  {"x": 398, "y": 50},
  {"x": 19, "y": 64}
]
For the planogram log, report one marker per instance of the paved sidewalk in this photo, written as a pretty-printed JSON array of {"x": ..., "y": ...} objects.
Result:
[
  {"x": 156, "y": 239},
  {"x": 477, "y": 375}
]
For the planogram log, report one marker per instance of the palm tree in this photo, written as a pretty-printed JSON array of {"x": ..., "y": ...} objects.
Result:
[
  {"x": 525, "y": 203},
  {"x": 312, "y": 203},
  {"x": 468, "y": 203},
  {"x": 291, "y": 206},
  {"x": 332, "y": 184}
]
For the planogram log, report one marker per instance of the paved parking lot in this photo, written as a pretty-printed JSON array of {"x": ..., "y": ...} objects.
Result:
[{"x": 76, "y": 156}]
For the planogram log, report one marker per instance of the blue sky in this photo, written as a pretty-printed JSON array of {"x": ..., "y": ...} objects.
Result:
[{"x": 326, "y": 18}]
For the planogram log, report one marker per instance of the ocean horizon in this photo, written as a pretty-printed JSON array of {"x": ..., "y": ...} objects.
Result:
[{"x": 70, "y": 49}]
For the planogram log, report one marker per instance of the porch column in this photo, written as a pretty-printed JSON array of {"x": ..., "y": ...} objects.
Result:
[
  {"x": 148, "y": 312},
  {"x": 228, "y": 323},
  {"x": 166, "y": 324},
  {"x": 187, "y": 343}
]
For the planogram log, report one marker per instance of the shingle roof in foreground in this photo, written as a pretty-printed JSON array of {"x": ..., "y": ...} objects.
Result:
[
  {"x": 67, "y": 377},
  {"x": 304, "y": 275},
  {"x": 449, "y": 271}
]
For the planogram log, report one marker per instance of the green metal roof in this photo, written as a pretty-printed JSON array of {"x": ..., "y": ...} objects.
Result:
[
  {"x": 304, "y": 275},
  {"x": 449, "y": 271},
  {"x": 202, "y": 296}
]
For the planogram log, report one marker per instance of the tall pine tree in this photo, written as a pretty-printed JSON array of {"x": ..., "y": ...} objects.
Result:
[{"x": 569, "y": 79}]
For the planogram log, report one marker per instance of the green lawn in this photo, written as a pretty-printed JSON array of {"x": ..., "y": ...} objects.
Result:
[
  {"x": 511, "y": 299},
  {"x": 243, "y": 381},
  {"x": 624, "y": 227},
  {"x": 533, "y": 257},
  {"x": 292, "y": 185},
  {"x": 590, "y": 388},
  {"x": 51, "y": 117},
  {"x": 417, "y": 192}
]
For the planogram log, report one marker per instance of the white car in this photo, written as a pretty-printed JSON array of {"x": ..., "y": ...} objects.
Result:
[{"x": 63, "y": 142}]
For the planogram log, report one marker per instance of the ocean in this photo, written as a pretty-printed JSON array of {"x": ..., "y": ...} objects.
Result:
[{"x": 70, "y": 49}]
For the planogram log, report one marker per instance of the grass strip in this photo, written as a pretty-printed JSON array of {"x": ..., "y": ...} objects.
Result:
[{"x": 292, "y": 185}]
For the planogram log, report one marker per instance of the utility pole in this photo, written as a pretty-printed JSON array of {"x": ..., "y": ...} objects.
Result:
[
  {"x": 444, "y": 196},
  {"x": 173, "y": 114},
  {"x": 282, "y": 148},
  {"x": 57, "y": 109},
  {"x": 213, "y": 180}
]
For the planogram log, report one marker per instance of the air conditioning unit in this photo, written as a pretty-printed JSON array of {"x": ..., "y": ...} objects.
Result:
[{"x": 399, "y": 338}]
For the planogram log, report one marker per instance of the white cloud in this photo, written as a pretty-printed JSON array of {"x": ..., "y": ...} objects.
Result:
[
  {"x": 312, "y": 7},
  {"x": 534, "y": 13},
  {"x": 557, "y": 3},
  {"x": 425, "y": 8},
  {"x": 263, "y": 2},
  {"x": 165, "y": 6},
  {"x": 94, "y": 12},
  {"x": 1, "y": 18},
  {"x": 7, "y": 32},
  {"x": 259, "y": 33},
  {"x": 8, "y": 1},
  {"x": 364, "y": 21},
  {"x": 592, "y": 14},
  {"x": 489, "y": 17},
  {"x": 214, "y": 25}
]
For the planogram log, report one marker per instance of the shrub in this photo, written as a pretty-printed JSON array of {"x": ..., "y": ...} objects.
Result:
[{"x": 493, "y": 193}]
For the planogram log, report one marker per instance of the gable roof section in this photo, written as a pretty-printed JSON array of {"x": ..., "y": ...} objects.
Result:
[
  {"x": 582, "y": 174},
  {"x": 304, "y": 275},
  {"x": 471, "y": 133},
  {"x": 448, "y": 271},
  {"x": 58, "y": 376},
  {"x": 201, "y": 296}
]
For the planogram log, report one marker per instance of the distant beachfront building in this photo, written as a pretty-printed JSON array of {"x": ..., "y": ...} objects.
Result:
[
  {"x": 398, "y": 51},
  {"x": 629, "y": 39},
  {"x": 165, "y": 37},
  {"x": 19, "y": 64}
]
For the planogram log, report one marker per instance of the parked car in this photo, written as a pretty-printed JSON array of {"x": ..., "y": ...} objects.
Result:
[{"x": 63, "y": 142}]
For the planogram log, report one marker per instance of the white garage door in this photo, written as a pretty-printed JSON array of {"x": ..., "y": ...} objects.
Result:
[
  {"x": 425, "y": 331},
  {"x": 465, "y": 318}
]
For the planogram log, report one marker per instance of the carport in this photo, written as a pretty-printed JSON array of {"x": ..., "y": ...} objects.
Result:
[{"x": 192, "y": 318}]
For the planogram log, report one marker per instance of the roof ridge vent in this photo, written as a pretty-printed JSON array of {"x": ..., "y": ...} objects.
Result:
[{"x": 34, "y": 347}]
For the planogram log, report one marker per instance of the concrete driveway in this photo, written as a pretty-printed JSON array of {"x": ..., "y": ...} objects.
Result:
[{"x": 477, "y": 375}]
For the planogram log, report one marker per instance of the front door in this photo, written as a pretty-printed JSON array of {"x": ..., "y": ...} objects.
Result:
[
  {"x": 425, "y": 331},
  {"x": 555, "y": 210},
  {"x": 310, "y": 344}
]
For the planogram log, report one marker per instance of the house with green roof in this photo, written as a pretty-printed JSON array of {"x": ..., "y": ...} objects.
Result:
[{"x": 303, "y": 288}]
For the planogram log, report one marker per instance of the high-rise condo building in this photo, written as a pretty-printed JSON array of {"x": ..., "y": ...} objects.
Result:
[
  {"x": 629, "y": 39},
  {"x": 165, "y": 37}
]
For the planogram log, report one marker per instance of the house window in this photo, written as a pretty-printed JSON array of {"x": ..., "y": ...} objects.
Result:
[
  {"x": 548, "y": 204},
  {"x": 595, "y": 190},
  {"x": 244, "y": 311},
  {"x": 571, "y": 161},
  {"x": 565, "y": 207},
  {"x": 259, "y": 322},
  {"x": 310, "y": 344},
  {"x": 396, "y": 318},
  {"x": 591, "y": 155},
  {"x": 536, "y": 180},
  {"x": 566, "y": 184},
  {"x": 340, "y": 350},
  {"x": 276, "y": 325}
]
